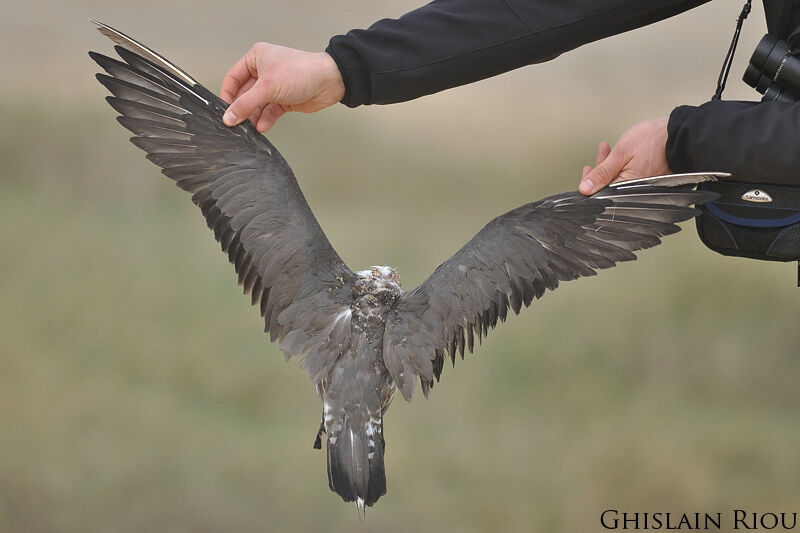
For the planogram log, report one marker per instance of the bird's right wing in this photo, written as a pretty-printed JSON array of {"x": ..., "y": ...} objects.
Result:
[
  {"x": 247, "y": 194},
  {"x": 517, "y": 257}
]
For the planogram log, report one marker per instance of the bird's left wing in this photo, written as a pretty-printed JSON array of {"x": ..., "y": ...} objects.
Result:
[
  {"x": 516, "y": 258},
  {"x": 247, "y": 194}
]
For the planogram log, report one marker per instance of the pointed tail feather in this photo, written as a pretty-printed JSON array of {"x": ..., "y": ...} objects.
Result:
[{"x": 355, "y": 466}]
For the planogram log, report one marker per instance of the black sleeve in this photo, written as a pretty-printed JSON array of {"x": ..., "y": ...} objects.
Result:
[
  {"x": 756, "y": 142},
  {"x": 453, "y": 42}
]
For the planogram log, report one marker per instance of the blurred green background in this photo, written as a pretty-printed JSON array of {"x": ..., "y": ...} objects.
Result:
[{"x": 137, "y": 392}]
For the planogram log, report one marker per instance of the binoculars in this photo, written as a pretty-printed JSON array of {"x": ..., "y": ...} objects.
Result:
[{"x": 774, "y": 71}]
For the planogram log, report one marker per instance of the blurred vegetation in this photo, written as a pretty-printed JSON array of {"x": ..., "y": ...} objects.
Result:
[{"x": 138, "y": 393}]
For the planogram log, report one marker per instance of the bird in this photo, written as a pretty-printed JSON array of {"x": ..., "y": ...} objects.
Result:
[{"x": 360, "y": 336}]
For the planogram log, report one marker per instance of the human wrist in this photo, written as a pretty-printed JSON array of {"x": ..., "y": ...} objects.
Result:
[{"x": 331, "y": 81}]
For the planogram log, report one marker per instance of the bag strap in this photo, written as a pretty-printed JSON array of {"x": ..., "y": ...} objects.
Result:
[
  {"x": 783, "y": 30},
  {"x": 726, "y": 65}
]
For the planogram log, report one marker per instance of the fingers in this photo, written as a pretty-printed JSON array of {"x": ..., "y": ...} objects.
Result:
[
  {"x": 587, "y": 186},
  {"x": 268, "y": 117},
  {"x": 271, "y": 80},
  {"x": 247, "y": 103},
  {"x": 604, "y": 173},
  {"x": 640, "y": 152},
  {"x": 263, "y": 115},
  {"x": 602, "y": 152},
  {"x": 235, "y": 80},
  {"x": 246, "y": 87}
]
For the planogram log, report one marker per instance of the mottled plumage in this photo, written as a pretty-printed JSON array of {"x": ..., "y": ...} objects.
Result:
[{"x": 359, "y": 335}]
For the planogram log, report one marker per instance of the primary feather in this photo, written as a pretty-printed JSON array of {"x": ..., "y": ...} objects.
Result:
[{"x": 359, "y": 335}]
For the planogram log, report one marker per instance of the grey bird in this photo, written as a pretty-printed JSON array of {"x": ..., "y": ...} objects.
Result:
[{"x": 360, "y": 336}]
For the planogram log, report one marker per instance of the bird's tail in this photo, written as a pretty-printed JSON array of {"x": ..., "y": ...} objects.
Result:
[{"x": 355, "y": 463}]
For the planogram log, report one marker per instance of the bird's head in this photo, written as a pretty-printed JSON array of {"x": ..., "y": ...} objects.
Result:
[
  {"x": 387, "y": 273},
  {"x": 382, "y": 274}
]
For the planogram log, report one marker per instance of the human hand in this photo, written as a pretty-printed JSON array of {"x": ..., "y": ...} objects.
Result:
[
  {"x": 639, "y": 153},
  {"x": 270, "y": 80}
]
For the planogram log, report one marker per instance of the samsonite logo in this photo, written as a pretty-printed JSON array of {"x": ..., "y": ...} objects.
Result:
[{"x": 757, "y": 195}]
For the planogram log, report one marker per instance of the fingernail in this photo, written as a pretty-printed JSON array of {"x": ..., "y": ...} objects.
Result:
[
  {"x": 586, "y": 186},
  {"x": 229, "y": 118}
]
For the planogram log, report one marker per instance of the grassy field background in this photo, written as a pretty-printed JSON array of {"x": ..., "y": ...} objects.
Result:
[{"x": 137, "y": 392}]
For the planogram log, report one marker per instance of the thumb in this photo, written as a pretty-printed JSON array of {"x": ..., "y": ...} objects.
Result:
[
  {"x": 602, "y": 174},
  {"x": 246, "y": 103}
]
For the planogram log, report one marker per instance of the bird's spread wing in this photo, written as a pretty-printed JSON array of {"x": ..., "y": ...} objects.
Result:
[
  {"x": 247, "y": 194},
  {"x": 514, "y": 259}
]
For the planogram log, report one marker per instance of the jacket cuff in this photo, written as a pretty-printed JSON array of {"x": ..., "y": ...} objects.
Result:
[
  {"x": 677, "y": 158},
  {"x": 354, "y": 74}
]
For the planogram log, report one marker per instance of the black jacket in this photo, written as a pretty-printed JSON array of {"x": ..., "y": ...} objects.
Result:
[{"x": 453, "y": 42}]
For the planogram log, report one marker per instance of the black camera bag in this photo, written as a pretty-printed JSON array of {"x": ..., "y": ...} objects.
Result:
[{"x": 752, "y": 220}]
